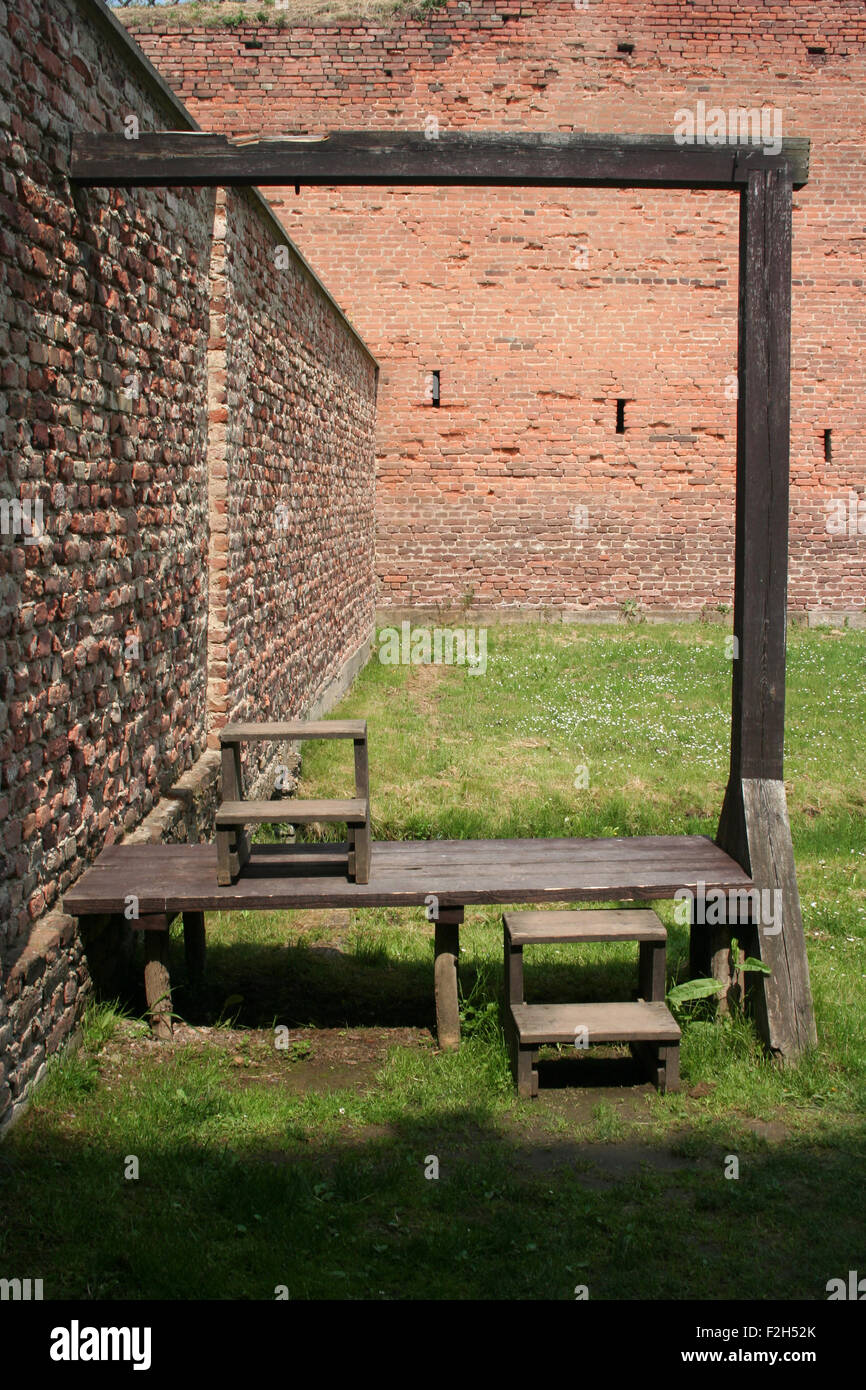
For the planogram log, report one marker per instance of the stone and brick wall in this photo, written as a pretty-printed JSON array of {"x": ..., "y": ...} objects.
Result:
[
  {"x": 112, "y": 680},
  {"x": 541, "y": 309},
  {"x": 103, "y": 355},
  {"x": 292, "y": 415}
]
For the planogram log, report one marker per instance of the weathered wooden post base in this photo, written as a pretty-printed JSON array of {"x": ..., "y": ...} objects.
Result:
[
  {"x": 157, "y": 982},
  {"x": 447, "y": 948},
  {"x": 755, "y": 830},
  {"x": 155, "y": 928},
  {"x": 523, "y": 1064},
  {"x": 660, "y": 1064}
]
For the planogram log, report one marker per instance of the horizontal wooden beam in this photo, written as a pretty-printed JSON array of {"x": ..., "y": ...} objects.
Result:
[{"x": 353, "y": 157}]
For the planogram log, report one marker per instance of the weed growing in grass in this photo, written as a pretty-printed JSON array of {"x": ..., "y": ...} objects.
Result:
[
  {"x": 630, "y": 610},
  {"x": 100, "y": 1022},
  {"x": 230, "y": 1011},
  {"x": 608, "y": 1125},
  {"x": 479, "y": 1012},
  {"x": 368, "y": 948}
]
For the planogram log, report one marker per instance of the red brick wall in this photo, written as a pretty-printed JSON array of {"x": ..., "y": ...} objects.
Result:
[
  {"x": 534, "y": 348},
  {"x": 96, "y": 289},
  {"x": 293, "y": 397},
  {"x": 111, "y": 407}
]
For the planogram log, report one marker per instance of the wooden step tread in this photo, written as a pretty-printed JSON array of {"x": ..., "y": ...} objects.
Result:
[
  {"x": 290, "y": 812},
  {"x": 619, "y": 1022},
  {"x": 591, "y": 924},
  {"x": 294, "y": 728}
]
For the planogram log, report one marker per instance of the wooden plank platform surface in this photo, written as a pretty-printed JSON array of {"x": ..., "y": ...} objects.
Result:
[
  {"x": 608, "y": 924},
  {"x": 618, "y": 1022},
  {"x": 291, "y": 811},
  {"x": 174, "y": 878},
  {"x": 294, "y": 729}
]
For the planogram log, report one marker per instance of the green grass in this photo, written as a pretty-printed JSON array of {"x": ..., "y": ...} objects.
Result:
[
  {"x": 305, "y": 1167},
  {"x": 231, "y": 14}
]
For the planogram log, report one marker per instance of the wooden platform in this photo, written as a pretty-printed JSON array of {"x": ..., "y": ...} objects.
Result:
[
  {"x": 176, "y": 878},
  {"x": 290, "y": 811},
  {"x": 288, "y": 730},
  {"x": 236, "y": 814},
  {"x": 540, "y": 928},
  {"x": 617, "y": 1022},
  {"x": 444, "y": 875}
]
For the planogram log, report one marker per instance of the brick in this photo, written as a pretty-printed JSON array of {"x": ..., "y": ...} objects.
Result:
[
  {"x": 651, "y": 318},
  {"x": 114, "y": 341}
]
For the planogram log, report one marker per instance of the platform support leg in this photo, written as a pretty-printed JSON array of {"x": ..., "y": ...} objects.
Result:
[
  {"x": 362, "y": 853},
  {"x": 513, "y": 975},
  {"x": 362, "y": 837},
  {"x": 651, "y": 971},
  {"x": 157, "y": 982},
  {"x": 669, "y": 1059},
  {"x": 194, "y": 947},
  {"x": 447, "y": 946},
  {"x": 523, "y": 1071},
  {"x": 233, "y": 846},
  {"x": 659, "y": 1062}
]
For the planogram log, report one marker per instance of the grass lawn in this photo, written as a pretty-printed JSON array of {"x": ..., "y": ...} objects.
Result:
[{"x": 311, "y": 1167}]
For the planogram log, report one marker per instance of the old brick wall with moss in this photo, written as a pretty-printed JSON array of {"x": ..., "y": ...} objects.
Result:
[{"x": 160, "y": 391}]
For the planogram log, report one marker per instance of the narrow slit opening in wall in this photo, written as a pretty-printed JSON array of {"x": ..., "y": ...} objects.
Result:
[
  {"x": 435, "y": 395},
  {"x": 828, "y": 446},
  {"x": 625, "y": 48},
  {"x": 620, "y": 416}
]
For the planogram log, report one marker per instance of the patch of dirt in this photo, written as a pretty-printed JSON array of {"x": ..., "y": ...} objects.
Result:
[
  {"x": 771, "y": 1130},
  {"x": 577, "y": 1104},
  {"x": 598, "y": 1165},
  {"x": 422, "y": 685},
  {"x": 313, "y": 1059}
]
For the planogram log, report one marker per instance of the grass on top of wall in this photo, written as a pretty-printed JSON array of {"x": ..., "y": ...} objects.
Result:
[
  {"x": 231, "y": 14},
  {"x": 311, "y": 1165}
]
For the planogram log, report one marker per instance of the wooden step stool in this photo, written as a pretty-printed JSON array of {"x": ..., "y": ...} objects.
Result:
[
  {"x": 647, "y": 1025},
  {"x": 234, "y": 813}
]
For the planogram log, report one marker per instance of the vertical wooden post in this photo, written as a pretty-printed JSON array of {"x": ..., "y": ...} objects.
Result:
[
  {"x": 157, "y": 982},
  {"x": 447, "y": 947},
  {"x": 194, "y": 947},
  {"x": 361, "y": 872},
  {"x": 652, "y": 956},
  {"x": 514, "y": 987},
  {"x": 754, "y": 826},
  {"x": 522, "y": 1069},
  {"x": 233, "y": 846}
]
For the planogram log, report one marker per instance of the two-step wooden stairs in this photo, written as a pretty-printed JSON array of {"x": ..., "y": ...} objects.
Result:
[
  {"x": 234, "y": 813},
  {"x": 646, "y": 1024}
]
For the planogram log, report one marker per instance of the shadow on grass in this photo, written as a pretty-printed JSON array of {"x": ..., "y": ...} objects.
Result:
[
  {"x": 301, "y": 985},
  {"x": 353, "y": 1216}
]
